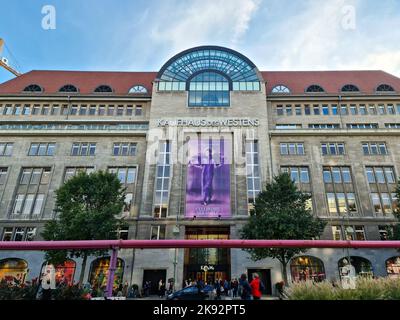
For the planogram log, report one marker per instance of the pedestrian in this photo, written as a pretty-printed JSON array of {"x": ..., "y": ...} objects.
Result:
[
  {"x": 226, "y": 287},
  {"x": 235, "y": 287},
  {"x": 161, "y": 288},
  {"x": 256, "y": 287},
  {"x": 217, "y": 287},
  {"x": 245, "y": 289}
]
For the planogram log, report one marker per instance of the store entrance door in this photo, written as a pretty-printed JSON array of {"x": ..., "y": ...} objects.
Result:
[
  {"x": 154, "y": 276},
  {"x": 265, "y": 277}
]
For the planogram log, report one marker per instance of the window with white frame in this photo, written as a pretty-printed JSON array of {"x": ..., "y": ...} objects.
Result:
[
  {"x": 163, "y": 179},
  {"x": 6, "y": 149},
  {"x": 42, "y": 149},
  {"x": 18, "y": 234},
  {"x": 374, "y": 148},
  {"x": 83, "y": 149},
  {"x": 253, "y": 172},
  {"x": 73, "y": 171},
  {"x": 124, "y": 149},
  {"x": 157, "y": 232},
  {"x": 333, "y": 148},
  {"x": 292, "y": 148}
]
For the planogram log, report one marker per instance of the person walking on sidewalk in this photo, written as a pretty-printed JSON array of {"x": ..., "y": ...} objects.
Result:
[{"x": 256, "y": 287}]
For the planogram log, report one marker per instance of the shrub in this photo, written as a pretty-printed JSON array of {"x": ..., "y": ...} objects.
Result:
[{"x": 366, "y": 289}]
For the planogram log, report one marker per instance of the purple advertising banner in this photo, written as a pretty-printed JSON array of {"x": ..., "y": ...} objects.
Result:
[{"x": 208, "y": 178}]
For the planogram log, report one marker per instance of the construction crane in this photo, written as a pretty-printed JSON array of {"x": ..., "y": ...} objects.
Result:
[{"x": 4, "y": 61}]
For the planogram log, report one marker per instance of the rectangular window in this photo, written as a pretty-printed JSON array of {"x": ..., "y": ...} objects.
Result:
[
  {"x": 353, "y": 110},
  {"x": 289, "y": 111},
  {"x": 129, "y": 111},
  {"x": 307, "y": 110},
  {"x": 279, "y": 110},
  {"x": 298, "y": 110},
  {"x": 299, "y": 175},
  {"x": 36, "y": 110},
  {"x": 45, "y": 110},
  {"x": 343, "y": 110},
  {"x": 110, "y": 110},
  {"x": 28, "y": 204},
  {"x": 42, "y": 149},
  {"x": 19, "y": 199},
  {"x": 390, "y": 109},
  {"x": 124, "y": 149},
  {"x": 125, "y": 175},
  {"x": 138, "y": 111},
  {"x": 3, "y": 175},
  {"x": 337, "y": 233},
  {"x": 376, "y": 203},
  {"x": 26, "y": 110},
  {"x": 382, "y": 109},
  {"x": 380, "y": 175},
  {"x": 163, "y": 176},
  {"x": 292, "y": 148},
  {"x": 83, "y": 110},
  {"x": 74, "y": 110},
  {"x": 363, "y": 110},
  {"x": 83, "y": 149},
  {"x": 7, "y": 234},
  {"x": 37, "y": 209},
  {"x": 102, "y": 110},
  {"x": 55, "y": 110},
  {"x": 325, "y": 110},
  {"x": 72, "y": 171},
  {"x": 316, "y": 110},
  {"x": 372, "y": 109},
  {"x": 6, "y": 149},
  {"x": 92, "y": 110},
  {"x": 333, "y": 148},
  {"x": 120, "y": 111},
  {"x": 334, "y": 109},
  {"x": 374, "y": 148},
  {"x": 157, "y": 233}
]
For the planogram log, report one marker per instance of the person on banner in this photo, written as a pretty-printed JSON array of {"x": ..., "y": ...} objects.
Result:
[{"x": 208, "y": 166}]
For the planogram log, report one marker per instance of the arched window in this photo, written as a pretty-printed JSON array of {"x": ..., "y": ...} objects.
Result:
[
  {"x": 350, "y": 88},
  {"x": 209, "y": 89},
  {"x": 280, "y": 89},
  {"x": 315, "y": 88},
  {"x": 393, "y": 267},
  {"x": 180, "y": 70},
  {"x": 307, "y": 268},
  {"x": 385, "y": 88},
  {"x": 103, "y": 89},
  {"x": 64, "y": 273},
  {"x": 13, "y": 270},
  {"x": 33, "y": 88},
  {"x": 138, "y": 89},
  {"x": 99, "y": 271},
  {"x": 362, "y": 266},
  {"x": 68, "y": 88}
]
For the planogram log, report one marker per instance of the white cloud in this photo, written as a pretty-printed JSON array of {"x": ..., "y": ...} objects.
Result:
[
  {"x": 186, "y": 24},
  {"x": 315, "y": 39}
]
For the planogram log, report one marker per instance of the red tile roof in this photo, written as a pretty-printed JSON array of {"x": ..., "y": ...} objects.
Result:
[
  {"x": 85, "y": 81},
  {"x": 331, "y": 81},
  {"x": 121, "y": 82}
]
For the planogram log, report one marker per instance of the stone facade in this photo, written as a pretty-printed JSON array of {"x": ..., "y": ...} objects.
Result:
[{"x": 258, "y": 105}]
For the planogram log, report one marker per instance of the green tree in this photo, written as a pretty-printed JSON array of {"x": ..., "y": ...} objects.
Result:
[
  {"x": 394, "y": 230},
  {"x": 87, "y": 207},
  {"x": 281, "y": 213}
]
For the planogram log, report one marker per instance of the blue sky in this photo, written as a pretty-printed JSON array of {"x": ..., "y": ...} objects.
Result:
[{"x": 140, "y": 35}]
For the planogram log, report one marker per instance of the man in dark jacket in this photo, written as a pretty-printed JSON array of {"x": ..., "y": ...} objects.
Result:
[{"x": 245, "y": 288}]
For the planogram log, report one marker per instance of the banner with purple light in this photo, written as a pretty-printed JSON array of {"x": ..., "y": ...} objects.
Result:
[{"x": 208, "y": 178}]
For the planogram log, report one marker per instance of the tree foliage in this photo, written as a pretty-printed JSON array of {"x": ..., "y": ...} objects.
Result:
[
  {"x": 87, "y": 207},
  {"x": 281, "y": 213}
]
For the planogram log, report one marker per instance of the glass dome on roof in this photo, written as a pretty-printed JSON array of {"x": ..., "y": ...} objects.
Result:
[{"x": 187, "y": 64}]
